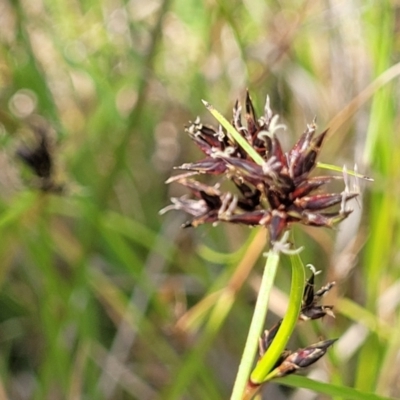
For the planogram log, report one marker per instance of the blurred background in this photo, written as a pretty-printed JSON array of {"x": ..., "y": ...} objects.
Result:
[{"x": 103, "y": 298}]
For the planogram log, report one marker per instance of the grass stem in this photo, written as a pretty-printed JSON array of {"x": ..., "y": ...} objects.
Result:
[{"x": 256, "y": 325}]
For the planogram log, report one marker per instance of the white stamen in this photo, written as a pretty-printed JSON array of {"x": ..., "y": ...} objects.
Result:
[
  {"x": 220, "y": 135},
  {"x": 345, "y": 192},
  {"x": 313, "y": 269},
  {"x": 263, "y": 134},
  {"x": 270, "y": 166},
  {"x": 283, "y": 246},
  {"x": 267, "y": 109},
  {"x": 215, "y": 153},
  {"x": 274, "y": 126},
  {"x": 232, "y": 206},
  {"x": 228, "y": 206},
  {"x": 237, "y": 113}
]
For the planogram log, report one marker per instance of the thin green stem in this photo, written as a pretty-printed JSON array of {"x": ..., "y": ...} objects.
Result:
[
  {"x": 331, "y": 167},
  {"x": 256, "y": 325},
  {"x": 262, "y": 371}
]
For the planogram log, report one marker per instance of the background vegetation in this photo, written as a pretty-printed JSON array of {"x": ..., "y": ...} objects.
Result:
[{"x": 102, "y": 298}]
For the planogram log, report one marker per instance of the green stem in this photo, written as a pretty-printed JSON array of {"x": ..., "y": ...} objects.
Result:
[
  {"x": 256, "y": 325},
  {"x": 331, "y": 167},
  {"x": 262, "y": 372}
]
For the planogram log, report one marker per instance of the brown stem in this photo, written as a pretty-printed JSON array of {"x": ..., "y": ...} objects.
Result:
[{"x": 251, "y": 390}]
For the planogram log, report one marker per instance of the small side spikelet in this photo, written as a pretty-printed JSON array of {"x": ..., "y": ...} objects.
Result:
[{"x": 288, "y": 361}]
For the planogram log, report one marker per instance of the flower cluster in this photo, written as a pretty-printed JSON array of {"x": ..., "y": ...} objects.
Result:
[
  {"x": 275, "y": 193},
  {"x": 290, "y": 362}
]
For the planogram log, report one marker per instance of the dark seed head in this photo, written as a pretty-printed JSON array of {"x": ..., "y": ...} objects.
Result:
[
  {"x": 38, "y": 157},
  {"x": 275, "y": 194}
]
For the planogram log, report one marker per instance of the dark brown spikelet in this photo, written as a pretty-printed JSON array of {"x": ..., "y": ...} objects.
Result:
[
  {"x": 310, "y": 309},
  {"x": 288, "y": 361},
  {"x": 267, "y": 338},
  {"x": 39, "y": 158},
  {"x": 276, "y": 194},
  {"x": 302, "y": 358}
]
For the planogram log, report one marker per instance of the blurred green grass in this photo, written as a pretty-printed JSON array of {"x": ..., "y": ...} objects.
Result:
[{"x": 102, "y": 298}]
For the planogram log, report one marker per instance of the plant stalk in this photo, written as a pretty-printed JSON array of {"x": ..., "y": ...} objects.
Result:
[
  {"x": 256, "y": 325},
  {"x": 262, "y": 372}
]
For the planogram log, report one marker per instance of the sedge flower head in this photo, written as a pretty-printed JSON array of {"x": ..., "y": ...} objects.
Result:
[{"x": 275, "y": 194}]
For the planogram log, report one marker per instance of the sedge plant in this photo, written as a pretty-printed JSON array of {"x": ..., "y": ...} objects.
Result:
[{"x": 270, "y": 188}]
